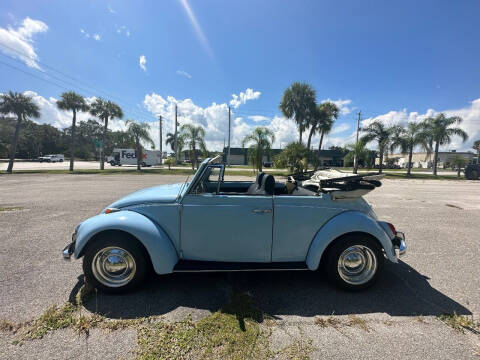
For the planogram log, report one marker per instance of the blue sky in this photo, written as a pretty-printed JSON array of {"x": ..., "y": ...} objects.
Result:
[{"x": 394, "y": 61}]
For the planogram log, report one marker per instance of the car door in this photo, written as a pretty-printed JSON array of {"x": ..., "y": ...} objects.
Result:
[
  {"x": 226, "y": 227},
  {"x": 297, "y": 219}
]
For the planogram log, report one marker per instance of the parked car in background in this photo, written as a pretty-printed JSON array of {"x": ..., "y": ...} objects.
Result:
[
  {"x": 209, "y": 224},
  {"x": 472, "y": 170},
  {"x": 52, "y": 158}
]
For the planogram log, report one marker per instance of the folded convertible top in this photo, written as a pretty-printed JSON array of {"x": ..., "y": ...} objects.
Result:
[{"x": 341, "y": 185}]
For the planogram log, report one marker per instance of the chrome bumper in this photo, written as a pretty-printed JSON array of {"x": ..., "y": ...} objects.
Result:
[
  {"x": 399, "y": 244},
  {"x": 70, "y": 248}
]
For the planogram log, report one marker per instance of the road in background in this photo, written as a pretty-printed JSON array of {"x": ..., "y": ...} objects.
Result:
[{"x": 84, "y": 165}]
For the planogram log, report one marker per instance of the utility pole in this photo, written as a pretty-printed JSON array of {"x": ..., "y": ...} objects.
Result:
[
  {"x": 355, "y": 160},
  {"x": 176, "y": 136},
  {"x": 161, "y": 140},
  {"x": 229, "y": 126}
]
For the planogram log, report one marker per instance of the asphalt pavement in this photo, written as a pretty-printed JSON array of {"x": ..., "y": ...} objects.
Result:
[{"x": 439, "y": 274}]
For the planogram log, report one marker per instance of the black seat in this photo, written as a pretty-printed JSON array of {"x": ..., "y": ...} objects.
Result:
[
  {"x": 267, "y": 187},
  {"x": 268, "y": 184},
  {"x": 252, "y": 189}
]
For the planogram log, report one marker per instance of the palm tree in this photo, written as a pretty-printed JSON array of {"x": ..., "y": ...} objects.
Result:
[
  {"x": 439, "y": 131},
  {"x": 357, "y": 150},
  {"x": 194, "y": 137},
  {"x": 298, "y": 102},
  {"x": 261, "y": 140},
  {"x": 379, "y": 132},
  {"x": 476, "y": 146},
  {"x": 458, "y": 162},
  {"x": 23, "y": 107},
  {"x": 73, "y": 102},
  {"x": 328, "y": 114},
  {"x": 407, "y": 138},
  {"x": 105, "y": 110},
  {"x": 171, "y": 141},
  {"x": 139, "y": 133}
]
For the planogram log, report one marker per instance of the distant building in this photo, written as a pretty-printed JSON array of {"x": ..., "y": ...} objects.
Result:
[
  {"x": 425, "y": 160},
  {"x": 239, "y": 156}
]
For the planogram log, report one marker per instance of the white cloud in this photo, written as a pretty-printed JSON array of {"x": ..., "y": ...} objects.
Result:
[
  {"x": 95, "y": 36},
  {"x": 184, "y": 74},
  {"x": 143, "y": 62},
  {"x": 214, "y": 119},
  {"x": 19, "y": 43},
  {"x": 51, "y": 114},
  {"x": 243, "y": 97},
  {"x": 343, "y": 105},
  {"x": 123, "y": 30},
  {"x": 469, "y": 114},
  {"x": 340, "y": 128},
  {"x": 258, "y": 118},
  {"x": 111, "y": 10}
]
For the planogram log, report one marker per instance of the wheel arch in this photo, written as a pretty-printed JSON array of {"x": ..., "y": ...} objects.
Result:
[
  {"x": 114, "y": 233},
  {"x": 359, "y": 233},
  {"x": 152, "y": 237},
  {"x": 345, "y": 223}
]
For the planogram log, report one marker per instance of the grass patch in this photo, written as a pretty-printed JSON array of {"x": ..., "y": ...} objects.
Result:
[
  {"x": 331, "y": 321},
  {"x": 338, "y": 324},
  {"x": 10, "y": 208},
  {"x": 187, "y": 171},
  {"x": 298, "y": 350},
  {"x": 422, "y": 176},
  {"x": 357, "y": 321},
  {"x": 233, "y": 332},
  {"x": 460, "y": 322},
  {"x": 53, "y": 319},
  {"x": 7, "y": 326}
]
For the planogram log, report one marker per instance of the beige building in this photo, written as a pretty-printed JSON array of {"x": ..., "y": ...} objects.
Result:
[{"x": 425, "y": 160}]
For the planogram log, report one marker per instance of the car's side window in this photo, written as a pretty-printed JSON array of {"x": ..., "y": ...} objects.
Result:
[{"x": 209, "y": 182}]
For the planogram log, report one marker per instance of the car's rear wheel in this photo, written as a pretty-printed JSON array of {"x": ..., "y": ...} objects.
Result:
[
  {"x": 354, "y": 262},
  {"x": 115, "y": 263}
]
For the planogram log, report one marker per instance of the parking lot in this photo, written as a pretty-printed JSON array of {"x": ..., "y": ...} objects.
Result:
[{"x": 396, "y": 319}]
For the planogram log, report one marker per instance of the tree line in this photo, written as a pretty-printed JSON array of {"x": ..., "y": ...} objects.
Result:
[
  {"x": 298, "y": 103},
  {"x": 22, "y": 137},
  {"x": 19, "y": 136}
]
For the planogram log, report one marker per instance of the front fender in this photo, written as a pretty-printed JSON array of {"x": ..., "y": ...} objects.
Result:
[
  {"x": 344, "y": 223},
  {"x": 156, "y": 242}
]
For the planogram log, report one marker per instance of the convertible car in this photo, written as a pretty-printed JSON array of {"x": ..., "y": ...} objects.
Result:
[{"x": 307, "y": 222}]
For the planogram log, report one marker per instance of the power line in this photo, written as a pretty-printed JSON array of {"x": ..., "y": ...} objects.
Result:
[
  {"x": 89, "y": 88},
  {"x": 52, "y": 83}
]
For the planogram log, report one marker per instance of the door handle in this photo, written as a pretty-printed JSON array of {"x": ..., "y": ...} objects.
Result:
[{"x": 262, "y": 211}]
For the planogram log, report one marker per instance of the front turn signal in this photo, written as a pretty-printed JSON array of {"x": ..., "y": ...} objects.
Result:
[{"x": 111, "y": 210}]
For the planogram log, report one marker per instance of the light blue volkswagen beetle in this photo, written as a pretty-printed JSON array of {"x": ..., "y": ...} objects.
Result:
[{"x": 210, "y": 224}]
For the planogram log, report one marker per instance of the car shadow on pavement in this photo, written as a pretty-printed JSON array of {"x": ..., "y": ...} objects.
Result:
[{"x": 400, "y": 291}]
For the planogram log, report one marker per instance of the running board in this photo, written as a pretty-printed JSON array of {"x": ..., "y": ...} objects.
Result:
[{"x": 214, "y": 266}]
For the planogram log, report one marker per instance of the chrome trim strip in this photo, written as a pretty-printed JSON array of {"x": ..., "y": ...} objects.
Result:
[{"x": 240, "y": 270}]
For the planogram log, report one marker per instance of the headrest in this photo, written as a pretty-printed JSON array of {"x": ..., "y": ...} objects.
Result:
[
  {"x": 260, "y": 178},
  {"x": 268, "y": 184}
]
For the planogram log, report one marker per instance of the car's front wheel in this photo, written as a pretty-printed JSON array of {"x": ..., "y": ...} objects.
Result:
[
  {"x": 115, "y": 264},
  {"x": 354, "y": 262}
]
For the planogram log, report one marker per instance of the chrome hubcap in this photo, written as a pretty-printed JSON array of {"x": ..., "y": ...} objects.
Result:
[
  {"x": 113, "y": 266},
  {"x": 357, "y": 265}
]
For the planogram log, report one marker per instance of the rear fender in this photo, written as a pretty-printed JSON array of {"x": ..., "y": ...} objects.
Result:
[
  {"x": 342, "y": 224},
  {"x": 154, "y": 239}
]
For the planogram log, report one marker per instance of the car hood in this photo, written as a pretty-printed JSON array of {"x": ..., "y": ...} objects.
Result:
[{"x": 155, "y": 194}]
